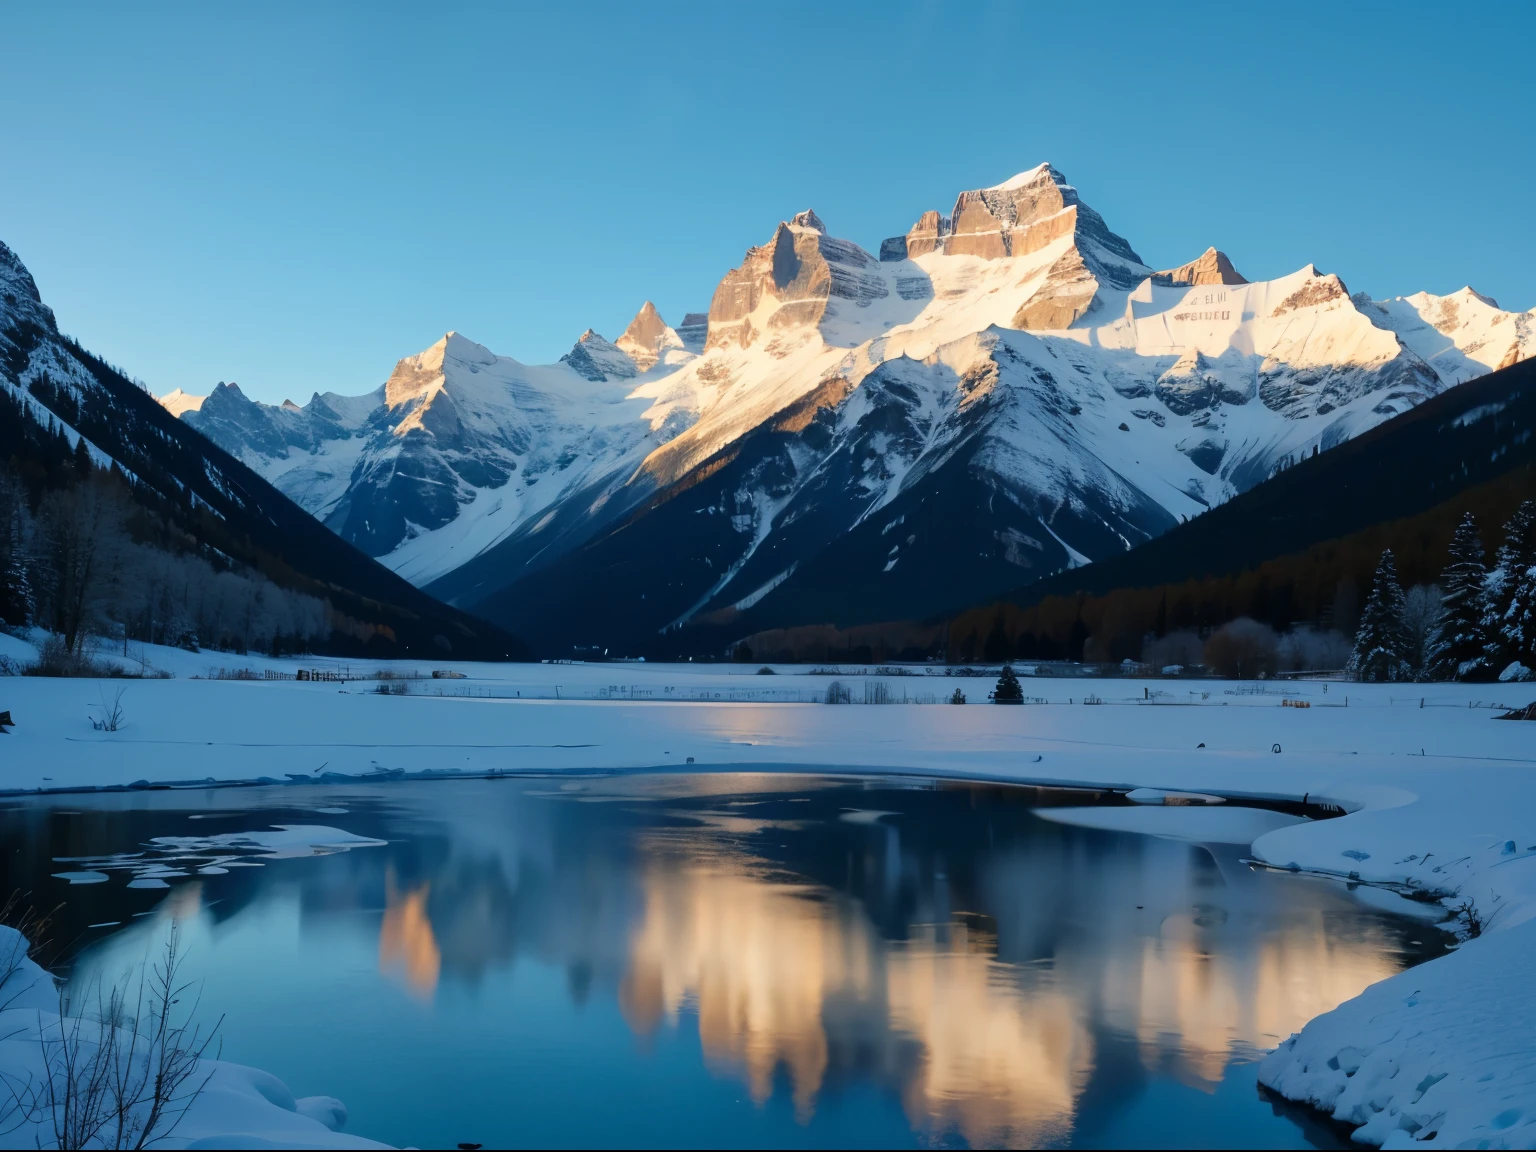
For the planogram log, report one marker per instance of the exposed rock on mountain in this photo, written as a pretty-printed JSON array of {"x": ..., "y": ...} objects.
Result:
[
  {"x": 694, "y": 331},
  {"x": 789, "y": 283},
  {"x": 1461, "y": 335},
  {"x": 1021, "y": 217},
  {"x": 596, "y": 359},
  {"x": 1211, "y": 267},
  {"x": 647, "y": 338}
]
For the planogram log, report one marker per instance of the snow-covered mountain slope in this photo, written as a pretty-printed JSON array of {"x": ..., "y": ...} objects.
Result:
[
  {"x": 1017, "y": 339},
  {"x": 56, "y": 397},
  {"x": 1461, "y": 335},
  {"x": 457, "y": 449}
]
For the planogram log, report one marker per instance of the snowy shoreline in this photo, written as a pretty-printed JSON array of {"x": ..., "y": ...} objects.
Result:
[{"x": 1440, "y": 800}]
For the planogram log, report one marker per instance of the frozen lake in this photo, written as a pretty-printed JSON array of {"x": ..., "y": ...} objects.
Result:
[{"x": 724, "y": 959}]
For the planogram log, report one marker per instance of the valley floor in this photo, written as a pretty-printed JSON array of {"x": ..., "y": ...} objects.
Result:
[{"x": 1440, "y": 795}]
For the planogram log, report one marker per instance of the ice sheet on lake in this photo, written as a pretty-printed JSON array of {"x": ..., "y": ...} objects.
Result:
[
  {"x": 172, "y": 857},
  {"x": 1200, "y": 825}
]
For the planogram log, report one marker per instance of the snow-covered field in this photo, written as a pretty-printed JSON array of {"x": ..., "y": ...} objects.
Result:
[{"x": 1440, "y": 795}]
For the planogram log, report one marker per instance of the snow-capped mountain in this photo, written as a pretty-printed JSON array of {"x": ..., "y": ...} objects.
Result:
[{"x": 1005, "y": 391}]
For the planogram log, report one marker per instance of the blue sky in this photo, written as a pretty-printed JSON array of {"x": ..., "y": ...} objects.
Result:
[{"x": 293, "y": 197}]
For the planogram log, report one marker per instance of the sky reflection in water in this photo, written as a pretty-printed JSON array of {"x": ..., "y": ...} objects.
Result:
[{"x": 736, "y": 959}]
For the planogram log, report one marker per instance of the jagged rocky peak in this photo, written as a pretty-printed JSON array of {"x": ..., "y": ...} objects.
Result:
[
  {"x": 18, "y": 292},
  {"x": 808, "y": 219},
  {"x": 1038, "y": 215},
  {"x": 1211, "y": 267},
  {"x": 417, "y": 377},
  {"x": 1015, "y": 218},
  {"x": 598, "y": 360},
  {"x": 228, "y": 417},
  {"x": 926, "y": 236},
  {"x": 790, "y": 282},
  {"x": 647, "y": 338}
]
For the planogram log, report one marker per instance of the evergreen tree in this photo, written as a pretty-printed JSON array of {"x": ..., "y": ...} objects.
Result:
[
  {"x": 82, "y": 458},
  {"x": 1520, "y": 627},
  {"x": 1456, "y": 647},
  {"x": 1502, "y": 632},
  {"x": 1382, "y": 641},
  {"x": 1008, "y": 690}
]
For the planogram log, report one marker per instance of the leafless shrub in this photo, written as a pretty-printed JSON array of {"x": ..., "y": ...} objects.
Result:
[
  {"x": 123, "y": 1072},
  {"x": 217, "y": 673},
  {"x": 877, "y": 692},
  {"x": 839, "y": 693},
  {"x": 112, "y": 718},
  {"x": 55, "y": 657}
]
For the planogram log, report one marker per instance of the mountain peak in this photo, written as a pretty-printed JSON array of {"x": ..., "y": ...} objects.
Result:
[
  {"x": 176, "y": 402},
  {"x": 646, "y": 338},
  {"x": 794, "y": 279},
  {"x": 18, "y": 291},
  {"x": 1028, "y": 176},
  {"x": 808, "y": 219},
  {"x": 597, "y": 359},
  {"x": 457, "y": 346},
  {"x": 1210, "y": 267}
]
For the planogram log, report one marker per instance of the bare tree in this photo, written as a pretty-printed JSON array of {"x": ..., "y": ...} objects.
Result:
[
  {"x": 124, "y": 1072},
  {"x": 83, "y": 537}
]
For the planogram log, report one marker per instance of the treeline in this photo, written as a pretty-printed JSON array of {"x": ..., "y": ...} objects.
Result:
[
  {"x": 1295, "y": 612},
  {"x": 82, "y": 559},
  {"x": 1313, "y": 597}
]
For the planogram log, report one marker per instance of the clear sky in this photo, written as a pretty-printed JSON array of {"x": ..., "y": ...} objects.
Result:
[{"x": 293, "y": 197}]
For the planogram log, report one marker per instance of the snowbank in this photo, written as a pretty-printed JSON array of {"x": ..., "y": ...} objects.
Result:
[
  {"x": 1443, "y": 1054},
  {"x": 238, "y": 1107},
  {"x": 1440, "y": 1055}
]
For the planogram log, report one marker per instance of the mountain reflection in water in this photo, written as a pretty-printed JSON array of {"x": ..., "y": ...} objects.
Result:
[{"x": 1008, "y": 980}]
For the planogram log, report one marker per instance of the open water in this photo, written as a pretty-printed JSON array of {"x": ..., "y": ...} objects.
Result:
[{"x": 719, "y": 959}]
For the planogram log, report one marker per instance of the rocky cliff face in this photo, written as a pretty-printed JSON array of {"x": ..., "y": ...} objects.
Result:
[
  {"x": 789, "y": 283},
  {"x": 1010, "y": 382},
  {"x": 648, "y": 339},
  {"x": 1211, "y": 267},
  {"x": 1035, "y": 211}
]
